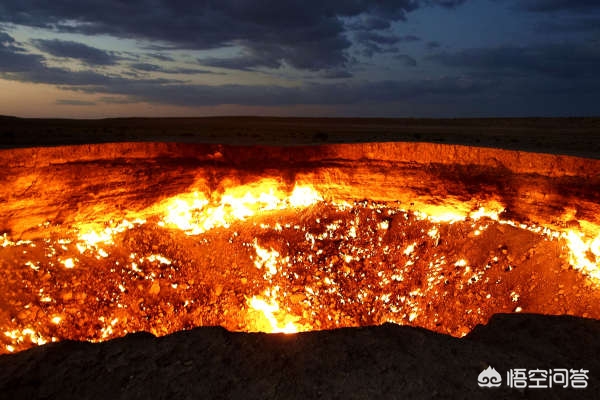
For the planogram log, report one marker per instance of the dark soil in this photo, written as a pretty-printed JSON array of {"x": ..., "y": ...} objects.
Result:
[
  {"x": 387, "y": 361},
  {"x": 574, "y": 136}
]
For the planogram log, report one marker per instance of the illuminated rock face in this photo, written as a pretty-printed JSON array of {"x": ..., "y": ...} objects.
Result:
[{"x": 101, "y": 240}]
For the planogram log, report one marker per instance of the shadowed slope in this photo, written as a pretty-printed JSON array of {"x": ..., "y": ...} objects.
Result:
[{"x": 387, "y": 361}]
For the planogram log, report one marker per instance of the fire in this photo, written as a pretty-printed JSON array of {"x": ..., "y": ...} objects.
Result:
[
  {"x": 195, "y": 214},
  {"x": 492, "y": 213},
  {"x": 584, "y": 254},
  {"x": 178, "y": 210},
  {"x": 304, "y": 196},
  {"x": 68, "y": 263},
  {"x": 268, "y": 256},
  {"x": 268, "y": 309},
  {"x": 92, "y": 238}
]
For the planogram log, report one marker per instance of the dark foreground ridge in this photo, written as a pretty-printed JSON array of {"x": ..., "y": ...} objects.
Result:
[
  {"x": 387, "y": 361},
  {"x": 568, "y": 136}
]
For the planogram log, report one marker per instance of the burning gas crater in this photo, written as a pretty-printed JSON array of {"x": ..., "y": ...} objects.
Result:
[
  {"x": 261, "y": 259},
  {"x": 275, "y": 256}
]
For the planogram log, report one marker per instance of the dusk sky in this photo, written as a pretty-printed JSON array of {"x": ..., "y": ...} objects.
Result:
[{"x": 351, "y": 58}]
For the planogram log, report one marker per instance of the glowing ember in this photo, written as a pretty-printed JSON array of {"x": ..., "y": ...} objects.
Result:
[
  {"x": 68, "y": 263},
  {"x": 584, "y": 254},
  {"x": 268, "y": 310},
  {"x": 179, "y": 210},
  {"x": 304, "y": 196},
  {"x": 267, "y": 257}
]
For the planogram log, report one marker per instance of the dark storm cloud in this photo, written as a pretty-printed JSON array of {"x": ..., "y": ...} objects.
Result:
[
  {"x": 372, "y": 37},
  {"x": 368, "y": 23},
  {"x": 407, "y": 60},
  {"x": 409, "y": 38},
  {"x": 31, "y": 68},
  {"x": 116, "y": 100},
  {"x": 433, "y": 45},
  {"x": 448, "y": 3},
  {"x": 540, "y": 80},
  {"x": 60, "y": 76},
  {"x": 383, "y": 39},
  {"x": 13, "y": 58},
  {"x": 310, "y": 56},
  {"x": 249, "y": 59},
  {"x": 17, "y": 65},
  {"x": 379, "y": 21},
  {"x": 562, "y": 16},
  {"x": 79, "y": 51},
  {"x": 148, "y": 67},
  {"x": 307, "y": 35},
  {"x": 336, "y": 74},
  {"x": 11, "y": 62},
  {"x": 570, "y": 25},
  {"x": 369, "y": 49},
  {"x": 320, "y": 94},
  {"x": 73, "y": 102},
  {"x": 562, "y": 61},
  {"x": 160, "y": 57},
  {"x": 372, "y": 42},
  {"x": 8, "y": 43},
  {"x": 557, "y": 5}
]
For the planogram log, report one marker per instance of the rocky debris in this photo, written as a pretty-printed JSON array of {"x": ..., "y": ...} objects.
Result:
[
  {"x": 67, "y": 184},
  {"x": 325, "y": 278},
  {"x": 387, "y": 361}
]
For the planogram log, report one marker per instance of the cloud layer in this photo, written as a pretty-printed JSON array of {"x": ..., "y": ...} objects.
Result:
[
  {"x": 564, "y": 61},
  {"x": 335, "y": 45},
  {"x": 558, "y": 5},
  {"x": 305, "y": 35},
  {"x": 69, "y": 49}
]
